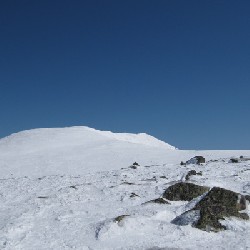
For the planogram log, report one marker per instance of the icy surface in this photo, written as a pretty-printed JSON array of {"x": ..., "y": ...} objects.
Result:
[{"x": 63, "y": 189}]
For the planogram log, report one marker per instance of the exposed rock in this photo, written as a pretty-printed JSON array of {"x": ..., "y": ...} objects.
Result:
[
  {"x": 158, "y": 201},
  {"x": 184, "y": 191},
  {"x": 133, "y": 167},
  {"x": 182, "y": 163},
  {"x": 234, "y": 160},
  {"x": 247, "y": 197},
  {"x": 192, "y": 172},
  {"x": 132, "y": 195},
  {"x": 196, "y": 160},
  {"x": 136, "y": 164},
  {"x": 119, "y": 218},
  {"x": 216, "y": 205}
]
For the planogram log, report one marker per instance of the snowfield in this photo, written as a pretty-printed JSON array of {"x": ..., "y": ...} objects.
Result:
[{"x": 74, "y": 188}]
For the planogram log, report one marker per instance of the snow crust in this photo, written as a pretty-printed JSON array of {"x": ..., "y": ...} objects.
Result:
[{"x": 63, "y": 189}]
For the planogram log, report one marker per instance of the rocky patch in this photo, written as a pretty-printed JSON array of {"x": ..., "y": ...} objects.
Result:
[
  {"x": 184, "y": 191},
  {"x": 217, "y": 204},
  {"x": 234, "y": 160},
  {"x": 196, "y": 160},
  {"x": 158, "y": 201},
  {"x": 192, "y": 172}
]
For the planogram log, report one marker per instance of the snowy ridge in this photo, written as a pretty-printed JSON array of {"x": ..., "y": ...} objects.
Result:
[
  {"x": 74, "y": 135},
  {"x": 75, "y": 150}
]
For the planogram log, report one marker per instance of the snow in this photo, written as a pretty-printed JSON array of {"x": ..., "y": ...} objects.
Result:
[
  {"x": 77, "y": 150},
  {"x": 63, "y": 188}
]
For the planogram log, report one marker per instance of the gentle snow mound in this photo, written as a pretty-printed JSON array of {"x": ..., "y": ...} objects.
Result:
[
  {"x": 75, "y": 150},
  {"x": 56, "y": 137}
]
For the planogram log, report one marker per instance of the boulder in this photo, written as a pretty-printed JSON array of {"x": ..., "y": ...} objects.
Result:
[
  {"x": 184, "y": 191},
  {"x": 234, "y": 160},
  {"x": 217, "y": 204},
  {"x": 196, "y": 160},
  {"x": 192, "y": 172}
]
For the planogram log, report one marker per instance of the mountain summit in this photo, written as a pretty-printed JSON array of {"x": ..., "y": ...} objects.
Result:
[{"x": 75, "y": 150}]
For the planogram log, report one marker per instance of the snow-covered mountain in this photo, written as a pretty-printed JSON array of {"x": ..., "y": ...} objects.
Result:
[
  {"x": 75, "y": 188},
  {"x": 81, "y": 150},
  {"x": 75, "y": 150}
]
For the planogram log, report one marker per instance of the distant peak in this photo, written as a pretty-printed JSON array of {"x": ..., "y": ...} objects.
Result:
[{"x": 79, "y": 135}]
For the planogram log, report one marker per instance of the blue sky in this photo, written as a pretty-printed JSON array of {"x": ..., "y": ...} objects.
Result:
[{"x": 178, "y": 70}]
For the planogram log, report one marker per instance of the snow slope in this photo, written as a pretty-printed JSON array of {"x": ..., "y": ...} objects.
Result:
[
  {"x": 74, "y": 150},
  {"x": 81, "y": 150},
  {"x": 63, "y": 189},
  {"x": 78, "y": 212}
]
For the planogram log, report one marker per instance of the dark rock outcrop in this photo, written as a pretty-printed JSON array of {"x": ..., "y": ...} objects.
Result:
[
  {"x": 217, "y": 204},
  {"x": 196, "y": 160},
  {"x": 158, "y": 201},
  {"x": 247, "y": 197},
  {"x": 234, "y": 160},
  {"x": 184, "y": 191},
  {"x": 192, "y": 172}
]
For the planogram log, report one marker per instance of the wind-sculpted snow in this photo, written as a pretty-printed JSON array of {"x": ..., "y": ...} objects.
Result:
[{"x": 110, "y": 209}]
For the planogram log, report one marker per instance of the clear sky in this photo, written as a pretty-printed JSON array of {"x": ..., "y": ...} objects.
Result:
[{"x": 176, "y": 69}]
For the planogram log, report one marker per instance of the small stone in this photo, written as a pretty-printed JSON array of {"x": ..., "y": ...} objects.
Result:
[
  {"x": 132, "y": 195},
  {"x": 158, "y": 201},
  {"x": 119, "y": 218},
  {"x": 133, "y": 167},
  {"x": 136, "y": 164}
]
